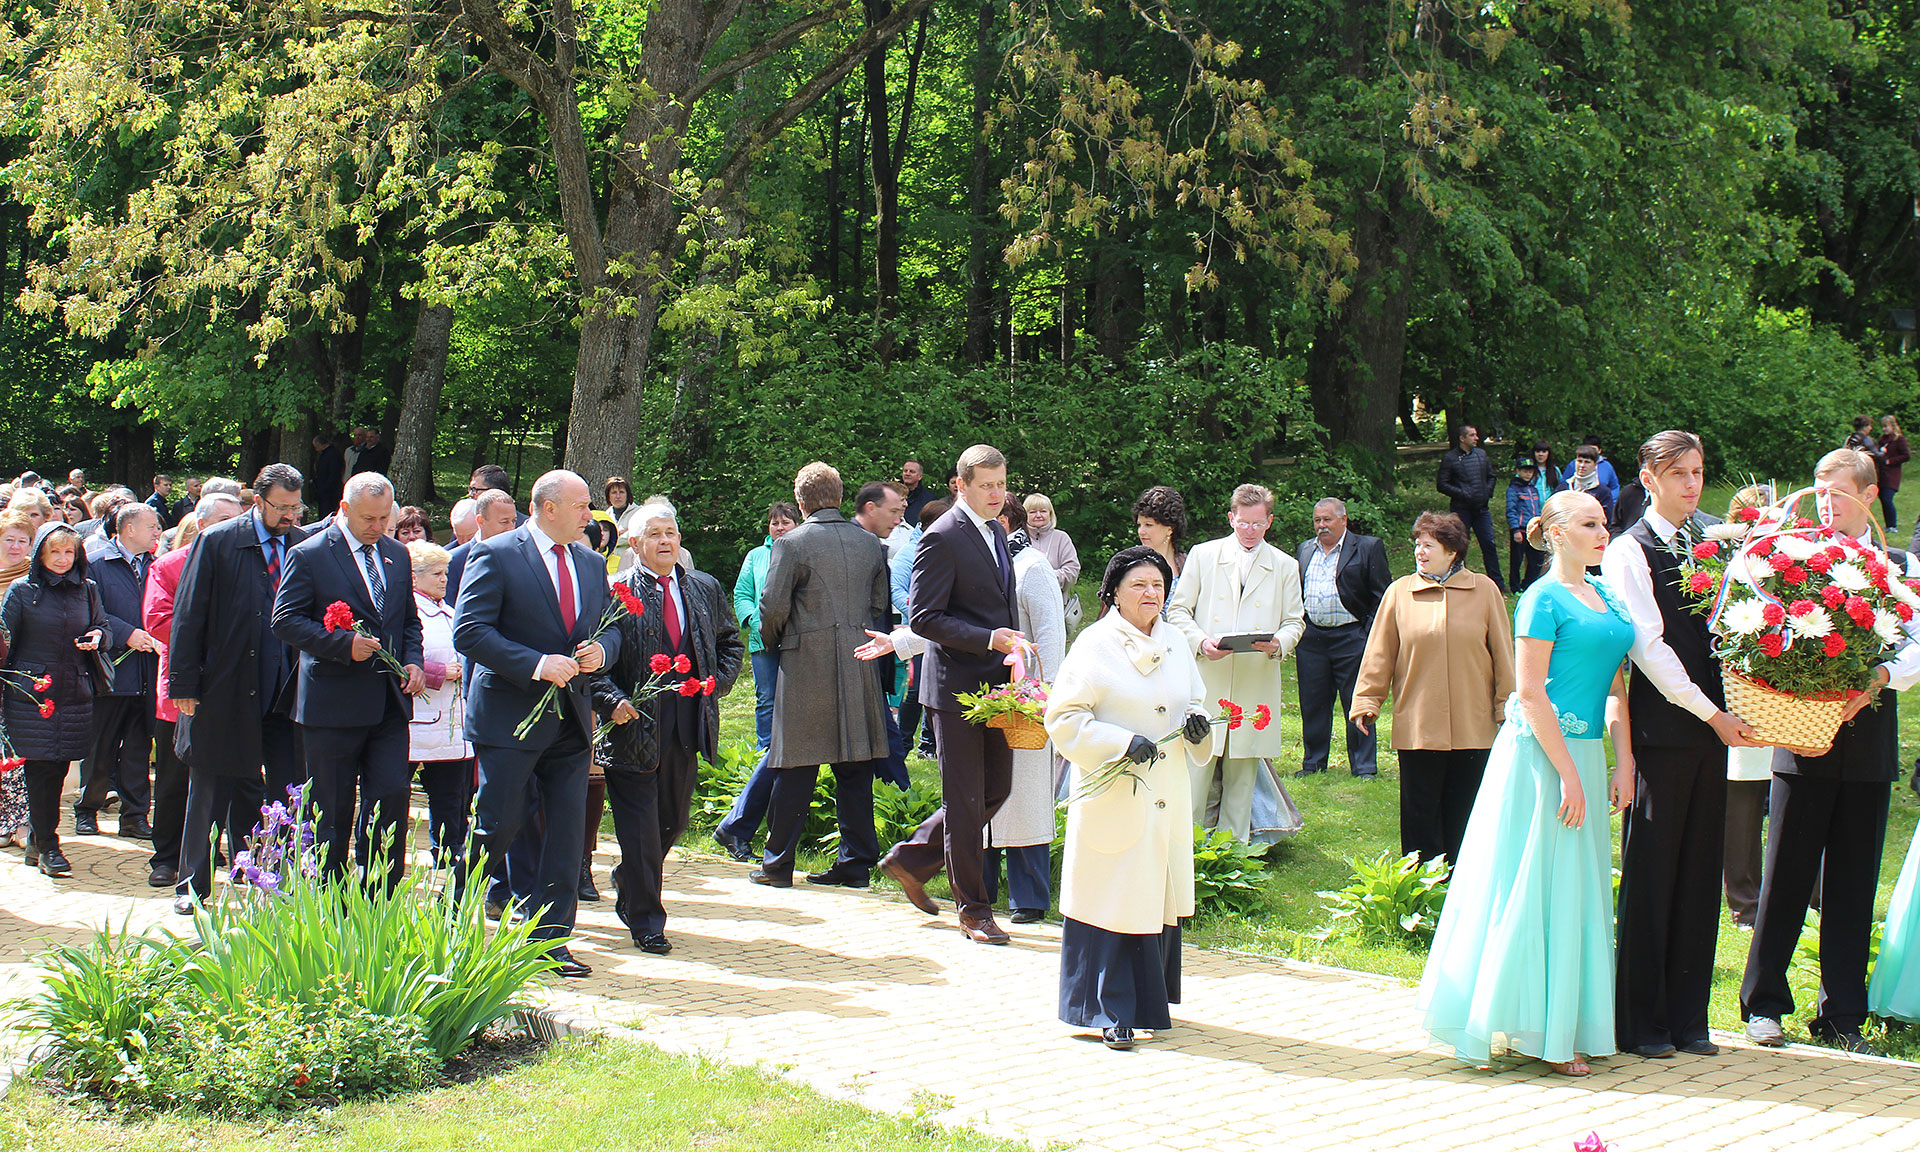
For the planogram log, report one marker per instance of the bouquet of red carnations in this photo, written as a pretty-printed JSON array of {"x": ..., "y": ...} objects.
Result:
[
  {"x": 623, "y": 602},
  {"x": 1802, "y": 614}
]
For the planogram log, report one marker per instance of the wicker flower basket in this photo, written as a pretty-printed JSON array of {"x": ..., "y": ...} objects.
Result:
[
  {"x": 1022, "y": 731},
  {"x": 1801, "y": 724}
]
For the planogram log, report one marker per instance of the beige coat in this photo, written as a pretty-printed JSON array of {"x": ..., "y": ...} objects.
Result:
[
  {"x": 1446, "y": 652},
  {"x": 1129, "y": 851},
  {"x": 1209, "y": 601}
]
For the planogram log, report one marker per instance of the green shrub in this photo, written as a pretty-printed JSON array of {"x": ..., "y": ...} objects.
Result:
[
  {"x": 104, "y": 1010},
  {"x": 718, "y": 784},
  {"x": 1391, "y": 900},
  {"x": 1227, "y": 875}
]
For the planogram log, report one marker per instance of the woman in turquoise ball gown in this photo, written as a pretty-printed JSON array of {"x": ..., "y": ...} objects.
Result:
[
  {"x": 1523, "y": 958},
  {"x": 1894, "y": 991}
]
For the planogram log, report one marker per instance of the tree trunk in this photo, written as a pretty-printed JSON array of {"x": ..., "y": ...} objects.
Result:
[
  {"x": 420, "y": 404},
  {"x": 1119, "y": 297},
  {"x": 977, "y": 346},
  {"x": 255, "y": 453}
]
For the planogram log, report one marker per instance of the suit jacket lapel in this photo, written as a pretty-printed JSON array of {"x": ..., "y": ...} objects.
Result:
[
  {"x": 530, "y": 552},
  {"x": 343, "y": 553},
  {"x": 1257, "y": 575}
]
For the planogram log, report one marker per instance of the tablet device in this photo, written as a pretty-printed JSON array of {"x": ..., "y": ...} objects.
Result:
[{"x": 1242, "y": 641}]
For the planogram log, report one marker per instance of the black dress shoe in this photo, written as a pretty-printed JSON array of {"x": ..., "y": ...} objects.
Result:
[
  {"x": 588, "y": 893},
  {"x": 1654, "y": 1051},
  {"x": 1309, "y": 771},
  {"x": 772, "y": 879},
  {"x": 1849, "y": 1041},
  {"x": 568, "y": 967},
  {"x": 84, "y": 823},
  {"x": 1028, "y": 915},
  {"x": 1700, "y": 1048},
  {"x": 163, "y": 876},
  {"x": 653, "y": 942},
  {"x": 54, "y": 864},
  {"x": 135, "y": 827},
  {"x": 737, "y": 849},
  {"x": 496, "y": 912},
  {"x": 910, "y": 886},
  {"x": 845, "y": 875},
  {"x": 1119, "y": 1039}
]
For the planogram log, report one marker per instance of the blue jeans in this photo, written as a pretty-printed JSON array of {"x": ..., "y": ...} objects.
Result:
[
  {"x": 766, "y": 674},
  {"x": 750, "y": 807}
]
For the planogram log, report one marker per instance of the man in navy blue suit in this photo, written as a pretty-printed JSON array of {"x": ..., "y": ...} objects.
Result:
[
  {"x": 493, "y": 513},
  {"x": 529, "y": 616},
  {"x": 352, "y": 708}
]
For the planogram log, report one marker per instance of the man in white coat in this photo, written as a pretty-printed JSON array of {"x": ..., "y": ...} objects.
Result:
[{"x": 1232, "y": 586}]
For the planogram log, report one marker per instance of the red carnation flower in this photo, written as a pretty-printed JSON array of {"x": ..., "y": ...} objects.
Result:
[
  {"x": 1859, "y": 611},
  {"x": 1706, "y": 550},
  {"x": 1834, "y": 595},
  {"x": 43, "y": 683},
  {"x": 1795, "y": 575},
  {"x": 689, "y": 688},
  {"x": 1834, "y": 645},
  {"x": 1780, "y": 561},
  {"x": 1761, "y": 548},
  {"x": 708, "y": 685},
  {"x": 1772, "y": 644},
  {"x": 1234, "y": 721},
  {"x": 1746, "y": 515},
  {"x": 1901, "y": 610},
  {"x": 1262, "y": 716},
  {"x": 628, "y": 600},
  {"x": 660, "y": 664},
  {"x": 339, "y": 617},
  {"x": 1700, "y": 583},
  {"x": 1835, "y": 553},
  {"x": 1913, "y": 586},
  {"x": 682, "y": 665},
  {"x": 1226, "y": 705},
  {"x": 46, "y": 708},
  {"x": 1874, "y": 566},
  {"x": 1802, "y": 522},
  {"x": 12, "y": 762},
  {"x": 1773, "y": 614},
  {"x": 1800, "y": 607},
  {"x": 1820, "y": 562}
]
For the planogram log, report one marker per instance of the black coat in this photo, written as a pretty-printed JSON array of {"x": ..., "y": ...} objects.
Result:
[
  {"x": 125, "y": 597},
  {"x": 713, "y": 644},
  {"x": 958, "y": 597},
  {"x": 331, "y": 689},
  {"x": 328, "y": 479},
  {"x": 42, "y": 615},
  {"x": 224, "y": 653},
  {"x": 1466, "y": 478}
]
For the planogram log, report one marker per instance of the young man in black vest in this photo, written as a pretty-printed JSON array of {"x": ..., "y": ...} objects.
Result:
[
  {"x": 1831, "y": 808},
  {"x": 1671, "y": 847}
]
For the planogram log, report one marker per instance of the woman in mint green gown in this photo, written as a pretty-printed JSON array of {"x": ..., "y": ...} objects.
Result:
[
  {"x": 1894, "y": 991},
  {"x": 1523, "y": 958}
]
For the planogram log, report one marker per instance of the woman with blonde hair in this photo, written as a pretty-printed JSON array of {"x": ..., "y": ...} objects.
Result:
[
  {"x": 33, "y": 503},
  {"x": 1524, "y": 949}
]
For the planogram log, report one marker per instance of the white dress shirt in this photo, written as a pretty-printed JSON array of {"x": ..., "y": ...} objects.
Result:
[
  {"x": 546, "y": 545},
  {"x": 1627, "y": 571},
  {"x": 985, "y": 527}
]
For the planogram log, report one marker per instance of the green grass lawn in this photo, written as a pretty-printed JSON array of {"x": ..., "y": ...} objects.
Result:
[{"x": 603, "y": 1095}]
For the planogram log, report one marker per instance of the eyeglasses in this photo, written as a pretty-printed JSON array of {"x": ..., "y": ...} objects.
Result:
[
  {"x": 1262, "y": 525},
  {"x": 284, "y": 509},
  {"x": 476, "y": 489}
]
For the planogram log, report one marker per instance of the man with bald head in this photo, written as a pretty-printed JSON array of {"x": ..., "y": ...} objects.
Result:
[{"x": 531, "y": 602}]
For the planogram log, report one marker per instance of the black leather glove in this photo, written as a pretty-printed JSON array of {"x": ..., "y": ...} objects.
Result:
[
  {"x": 1142, "y": 751},
  {"x": 1197, "y": 727}
]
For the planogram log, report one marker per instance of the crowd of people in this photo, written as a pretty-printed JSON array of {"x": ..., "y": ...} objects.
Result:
[{"x": 534, "y": 667}]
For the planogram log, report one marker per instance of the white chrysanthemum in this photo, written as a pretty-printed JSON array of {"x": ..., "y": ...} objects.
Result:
[
  {"x": 1849, "y": 575},
  {"x": 1743, "y": 617},
  {"x": 1817, "y": 624},
  {"x": 1758, "y": 569},
  {"x": 1887, "y": 626},
  {"x": 1729, "y": 530},
  {"x": 1796, "y": 547},
  {"x": 1897, "y": 588}
]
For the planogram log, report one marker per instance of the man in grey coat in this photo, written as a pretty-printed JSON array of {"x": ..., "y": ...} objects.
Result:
[{"x": 826, "y": 585}]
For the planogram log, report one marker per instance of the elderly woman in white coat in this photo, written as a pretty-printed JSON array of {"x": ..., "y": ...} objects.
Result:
[
  {"x": 435, "y": 737},
  {"x": 1129, "y": 681}
]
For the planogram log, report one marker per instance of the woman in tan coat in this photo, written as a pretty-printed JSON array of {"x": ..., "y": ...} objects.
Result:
[{"x": 1443, "y": 644}]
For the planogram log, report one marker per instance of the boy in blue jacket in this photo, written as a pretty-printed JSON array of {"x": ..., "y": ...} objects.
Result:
[{"x": 1524, "y": 562}]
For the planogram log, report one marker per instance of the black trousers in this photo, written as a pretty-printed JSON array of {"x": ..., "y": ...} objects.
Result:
[
  {"x": 1846, "y": 822},
  {"x": 122, "y": 749},
  {"x": 1437, "y": 790},
  {"x": 231, "y": 800},
  {"x": 168, "y": 810},
  {"x": 449, "y": 788},
  {"x": 1741, "y": 869},
  {"x": 650, "y": 814},
  {"x": 1479, "y": 521},
  {"x": 1669, "y": 908},
  {"x": 1524, "y": 564},
  {"x": 976, "y": 773},
  {"x": 1328, "y": 663},
  {"x": 852, "y": 809},
  {"x": 558, "y": 774},
  {"x": 364, "y": 766},
  {"x": 45, "y": 779}
]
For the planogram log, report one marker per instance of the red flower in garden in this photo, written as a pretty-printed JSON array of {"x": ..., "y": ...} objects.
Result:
[
  {"x": 689, "y": 688},
  {"x": 338, "y": 617},
  {"x": 1706, "y": 550},
  {"x": 708, "y": 685},
  {"x": 1795, "y": 575},
  {"x": 661, "y": 664},
  {"x": 1820, "y": 562},
  {"x": 1834, "y": 595},
  {"x": 629, "y": 600},
  {"x": 301, "y": 1079},
  {"x": 682, "y": 665},
  {"x": 1859, "y": 611},
  {"x": 1800, "y": 607},
  {"x": 1834, "y": 645},
  {"x": 46, "y": 708},
  {"x": 1700, "y": 583},
  {"x": 1774, "y": 615},
  {"x": 1773, "y": 644},
  {"x": 1780, "y": 561},
  {"x": 1262, "y": 716}
]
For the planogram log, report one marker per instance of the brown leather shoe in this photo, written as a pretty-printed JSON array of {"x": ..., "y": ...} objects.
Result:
[
  {"x": 915, "y": 892},
  {"x": 983, "y": 930}
]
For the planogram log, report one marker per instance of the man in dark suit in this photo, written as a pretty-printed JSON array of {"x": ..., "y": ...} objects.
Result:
[
  {"x": 375, "y": 456},
  {"x": 650, "y": 784},
  {"x": 224, "y": 657},
  {"x": 353, "y": 709},
  {"x": 329, "y": 471},
  {"x": 826, "y": 586},
  {"x": 123, "y": 718},
  {"x": 529, "y": 617},
  {"x": 1343, "y": 575},
  {"x": 493, "y": 514},
  {"x": 963, "y": 604}
]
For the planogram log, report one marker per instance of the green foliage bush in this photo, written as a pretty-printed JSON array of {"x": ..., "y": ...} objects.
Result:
[
  {"x": 1227, "y": 875},
  {"x": 1390, "y": 900}
]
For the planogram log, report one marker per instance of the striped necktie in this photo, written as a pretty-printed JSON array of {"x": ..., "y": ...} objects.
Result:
[{"x": 375, "y": 584}]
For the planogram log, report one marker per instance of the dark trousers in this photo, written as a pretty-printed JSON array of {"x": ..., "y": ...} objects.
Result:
[
  {"x": 122, "y": 749},
  {"x": 517, "y": 879},
  {"x": 1029, "y": 876},
  {"x": 363, "y": 767},
  {"x": 1740, "y": 868},
  {"x": 559, "y": 773},
  {"x": 1437, "y": 790},
  {"x": 233, "y": 802},
  {"x": 852, "y": 809},
  {"x": 750, "y": 807},
  {"x": 1669, "y": 907},
  {"x": 1846, "y": 822},
  {"x": 1328, "y": 663},
  {"x": 449, "y": 788},
  {"x": 650, "y": 812},
  {"x": 168, "y": 811},
  {"x": 1524, "y": 564},
  {"x": 976, "y": 773},
  {"x": 45, "y": 779},
  {"x": 1886, "y": 505},
  {"x": 1479, "y": 521}
]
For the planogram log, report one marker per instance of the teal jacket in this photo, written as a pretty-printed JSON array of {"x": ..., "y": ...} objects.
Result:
[{"x": 746, "y": 594}]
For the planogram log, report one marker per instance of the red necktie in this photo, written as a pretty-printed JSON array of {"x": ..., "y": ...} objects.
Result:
[
  {"x": 670, "y": 612},
  {"x": 563, "y": 577}
]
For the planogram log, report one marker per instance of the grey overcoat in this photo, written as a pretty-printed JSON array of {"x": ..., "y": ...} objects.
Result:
[{"x": 825, "y": 586}]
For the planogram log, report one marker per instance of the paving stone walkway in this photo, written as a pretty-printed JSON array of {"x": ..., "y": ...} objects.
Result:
[{"x": 865, "y": 998}]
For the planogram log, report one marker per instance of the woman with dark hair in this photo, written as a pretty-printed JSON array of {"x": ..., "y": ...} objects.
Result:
[
  {"x": 1128, "y": 874},
  {"x": 1442, "y": 646},
  {"x": 1160, "y": 519},
  {"x": 1546, "y": 475},
  {"x": 412, "y": 524},
  {"x": 54, "y": 621}
]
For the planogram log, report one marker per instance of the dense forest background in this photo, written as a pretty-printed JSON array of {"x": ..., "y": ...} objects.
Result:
[{"x": 701, "y": 242}]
